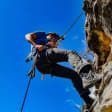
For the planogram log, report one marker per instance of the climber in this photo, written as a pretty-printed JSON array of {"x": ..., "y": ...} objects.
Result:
[{"x": 45, "y": 45}]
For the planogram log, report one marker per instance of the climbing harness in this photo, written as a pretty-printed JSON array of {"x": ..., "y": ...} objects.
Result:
[{"x": 30, "y": 57}]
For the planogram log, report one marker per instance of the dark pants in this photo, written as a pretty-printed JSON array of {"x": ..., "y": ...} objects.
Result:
[{"x": 47, "y": 64}]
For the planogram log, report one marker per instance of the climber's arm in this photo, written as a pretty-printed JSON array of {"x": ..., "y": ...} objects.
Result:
[{"x": 30, "y": 38}]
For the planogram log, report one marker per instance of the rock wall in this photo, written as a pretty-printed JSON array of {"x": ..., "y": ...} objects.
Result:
[{"x": 98, "y": 28}]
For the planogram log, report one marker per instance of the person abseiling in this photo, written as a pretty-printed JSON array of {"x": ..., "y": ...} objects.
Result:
[{"x": 45, "y": 44}]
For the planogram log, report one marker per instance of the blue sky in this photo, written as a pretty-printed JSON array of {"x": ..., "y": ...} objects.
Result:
[{"x": 18, "y": 17}]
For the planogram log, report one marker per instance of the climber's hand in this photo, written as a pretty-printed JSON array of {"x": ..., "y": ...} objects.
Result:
[{"x": 39, "y": 47}]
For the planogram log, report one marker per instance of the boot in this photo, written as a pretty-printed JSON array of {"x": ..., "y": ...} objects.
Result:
[{"x": 89, "y": 78}]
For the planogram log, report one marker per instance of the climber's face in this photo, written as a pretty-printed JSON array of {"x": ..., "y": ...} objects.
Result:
[
  {"x": 53, "y": 38},
  {"x": 53, "y": 42}
]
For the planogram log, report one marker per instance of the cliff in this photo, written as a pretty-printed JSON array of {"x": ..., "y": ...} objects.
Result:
[{"x": 98, "y": 28}]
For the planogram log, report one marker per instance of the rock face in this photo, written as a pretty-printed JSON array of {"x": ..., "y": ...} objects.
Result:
[
  {"x": 98, "y": 27},
  {"x": 104, "y": 98}
]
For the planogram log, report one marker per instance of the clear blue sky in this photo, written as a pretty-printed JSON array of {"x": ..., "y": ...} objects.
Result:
[{"x": 18, "y": 17}]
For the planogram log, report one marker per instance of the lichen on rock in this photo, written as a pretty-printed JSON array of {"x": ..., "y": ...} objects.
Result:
[{"x": 98, "y": 33}]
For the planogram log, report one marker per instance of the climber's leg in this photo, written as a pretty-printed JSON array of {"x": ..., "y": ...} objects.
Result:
[{"x": 61, "y": 71}]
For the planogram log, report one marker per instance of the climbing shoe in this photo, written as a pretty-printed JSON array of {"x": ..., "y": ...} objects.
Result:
[{"x": 90, "y": 79}]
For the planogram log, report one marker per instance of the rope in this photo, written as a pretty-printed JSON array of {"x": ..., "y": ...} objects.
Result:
[
  {"x": 32, "y": 75},
  {"x": 26, "y": 94},
  {"x": 75, "y": 21}
]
